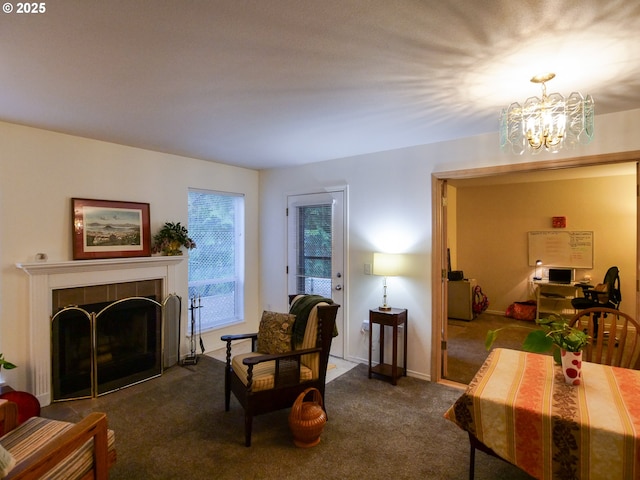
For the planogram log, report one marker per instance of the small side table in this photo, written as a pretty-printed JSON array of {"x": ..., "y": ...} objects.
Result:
[{"x": 388, "y": 318}]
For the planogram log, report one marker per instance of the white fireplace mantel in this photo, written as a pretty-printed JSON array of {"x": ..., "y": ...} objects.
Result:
[
  {"x": 47, "y": 268},
  {"x": 45, "y": 277}
]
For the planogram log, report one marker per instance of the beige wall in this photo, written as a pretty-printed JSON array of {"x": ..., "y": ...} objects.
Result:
[
  {"x": 390, "y": 197},
  {"x": 390, "y": 200},
  {"x": 493, "y": 221},
  {"x": 41, "y": 171}
]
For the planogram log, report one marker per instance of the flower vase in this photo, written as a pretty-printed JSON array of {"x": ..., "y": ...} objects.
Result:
[
  {"x": 571, "y": 366},
  {"x": 173, "y": 248}
]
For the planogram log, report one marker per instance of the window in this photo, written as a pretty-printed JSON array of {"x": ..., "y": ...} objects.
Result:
[
  {"x": 216, "y": 265},
  {"x": 314, "y": 250}
]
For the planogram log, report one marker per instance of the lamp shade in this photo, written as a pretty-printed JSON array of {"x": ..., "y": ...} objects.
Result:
[{"x": 387, "y": 264}]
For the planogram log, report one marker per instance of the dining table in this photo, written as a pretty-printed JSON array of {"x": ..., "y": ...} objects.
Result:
[{"x": 519, "y": 406}]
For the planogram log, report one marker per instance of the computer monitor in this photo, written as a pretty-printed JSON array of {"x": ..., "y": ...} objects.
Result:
[{"x": 560, "y": 275}]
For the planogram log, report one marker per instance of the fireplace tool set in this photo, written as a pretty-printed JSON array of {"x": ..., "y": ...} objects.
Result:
[{"x": 194, "y": 307}]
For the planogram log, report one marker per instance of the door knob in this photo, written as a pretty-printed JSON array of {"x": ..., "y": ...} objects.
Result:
[{"x": 338, "y": 287}]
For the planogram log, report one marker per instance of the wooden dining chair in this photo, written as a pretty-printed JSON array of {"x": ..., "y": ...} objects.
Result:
[{"x": 615, "y": 337}]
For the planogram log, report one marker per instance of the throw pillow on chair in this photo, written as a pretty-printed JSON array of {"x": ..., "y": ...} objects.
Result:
[{"x": 274, "y": 333}]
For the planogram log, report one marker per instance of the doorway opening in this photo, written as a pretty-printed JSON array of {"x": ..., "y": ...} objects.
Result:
[{"x": 440, "y": 182}]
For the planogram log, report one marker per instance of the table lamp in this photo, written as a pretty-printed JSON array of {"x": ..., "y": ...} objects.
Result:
[
  {"x": 538, "y": 276},
  {"x": 386, "y": 265}
]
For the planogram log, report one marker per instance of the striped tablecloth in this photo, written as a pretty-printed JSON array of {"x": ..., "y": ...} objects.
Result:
[{"x": 519, "y": 406}]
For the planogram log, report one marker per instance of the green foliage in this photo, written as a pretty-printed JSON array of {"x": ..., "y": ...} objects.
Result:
[
  {"x": 538, "y": 342},
  {"x": 6, "y": 364},
  {"x": 562, "y": 335},
  {"x": 554, "y": 332},
  {"x": 170, "y": 233}
]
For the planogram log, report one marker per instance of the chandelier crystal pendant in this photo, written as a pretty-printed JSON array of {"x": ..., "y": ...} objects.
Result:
[{"x": 548, "y": 123}]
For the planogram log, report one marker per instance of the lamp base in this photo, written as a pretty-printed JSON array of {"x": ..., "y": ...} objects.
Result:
[{"x": 384, "y": 307}]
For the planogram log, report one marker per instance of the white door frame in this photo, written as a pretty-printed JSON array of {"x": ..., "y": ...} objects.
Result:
[
  {"x": 439, "y": 261},
  {"x": 339, "y": 343}
]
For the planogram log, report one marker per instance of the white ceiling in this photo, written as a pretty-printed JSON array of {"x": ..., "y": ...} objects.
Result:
[{"x": 270, "y": 83}]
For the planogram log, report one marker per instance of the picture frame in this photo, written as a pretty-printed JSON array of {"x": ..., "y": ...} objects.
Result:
[{"x": 110, "y": 229}]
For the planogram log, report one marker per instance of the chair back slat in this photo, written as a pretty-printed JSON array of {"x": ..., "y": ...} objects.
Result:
[{"x": 614, "y": 336}]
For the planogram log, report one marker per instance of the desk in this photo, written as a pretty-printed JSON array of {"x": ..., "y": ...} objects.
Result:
[
  {"x": 519, "y": 406},
  {"x": 389, "y": 318},
  {"x": 555, "y": 298}
]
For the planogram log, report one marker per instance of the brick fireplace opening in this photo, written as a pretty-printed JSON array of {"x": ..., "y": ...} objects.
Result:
[{"x": 112, "y": 342}]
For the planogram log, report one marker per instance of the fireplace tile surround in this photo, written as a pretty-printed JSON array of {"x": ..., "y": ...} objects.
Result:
[
  {"x": 90, "y": 294},
  {"x": 50, "y": 281}
]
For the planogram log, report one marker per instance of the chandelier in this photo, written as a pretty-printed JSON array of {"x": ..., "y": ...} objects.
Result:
[{"x": 547, "y": 123}]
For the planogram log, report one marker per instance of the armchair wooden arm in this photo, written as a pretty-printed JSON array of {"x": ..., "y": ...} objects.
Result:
[
  {"x": 48, "y": 455},
  {"x": 36, "y": 465},
  {"x": 287, "y": 367},
  {"x": 8, "y": 416},
  {"x": 238, "y": 336}
]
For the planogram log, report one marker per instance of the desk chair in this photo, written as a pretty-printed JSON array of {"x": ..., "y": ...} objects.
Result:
[
  {"x": 603, "y": 295},
  {"x": 606, "y": 294}
]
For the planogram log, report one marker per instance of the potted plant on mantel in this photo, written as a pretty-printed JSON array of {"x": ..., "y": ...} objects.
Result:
[
  {"x": 6, "y": 364},
  {"x": 171, "y": 238},
  {"x": 554, "y": 333}
]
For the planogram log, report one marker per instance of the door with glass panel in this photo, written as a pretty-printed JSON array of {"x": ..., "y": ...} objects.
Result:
[{"x": 315, "y": 251}]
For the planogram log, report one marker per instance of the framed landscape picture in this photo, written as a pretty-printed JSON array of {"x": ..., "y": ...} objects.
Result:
[{"x": 110, "y": 229}]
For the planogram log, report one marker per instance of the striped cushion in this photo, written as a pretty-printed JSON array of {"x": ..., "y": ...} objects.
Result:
[
  {"x": 263, "y": 373},
  {"x": 37, "y": 431},
  {"x": 311, "y": 360}
]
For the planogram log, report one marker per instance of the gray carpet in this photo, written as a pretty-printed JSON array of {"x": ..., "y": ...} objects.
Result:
[{"x": 175, "y": 427}]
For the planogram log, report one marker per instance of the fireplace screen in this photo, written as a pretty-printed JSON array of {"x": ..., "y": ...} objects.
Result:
[{"x": 96, "y": 353}]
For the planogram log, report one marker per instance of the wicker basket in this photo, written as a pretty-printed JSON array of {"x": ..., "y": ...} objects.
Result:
[{"x": 307, "y": 419}]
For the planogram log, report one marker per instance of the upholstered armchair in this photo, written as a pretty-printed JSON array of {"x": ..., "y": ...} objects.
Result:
[{"x": 289, "y": 354}]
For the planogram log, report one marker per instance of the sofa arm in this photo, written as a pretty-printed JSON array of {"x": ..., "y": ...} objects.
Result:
[
  {"x": 8, "y": 416},
  {"x": 93, "y": 427}
]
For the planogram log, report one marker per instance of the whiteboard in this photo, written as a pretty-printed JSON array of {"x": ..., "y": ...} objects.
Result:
[{"x": 561, "y": 248}]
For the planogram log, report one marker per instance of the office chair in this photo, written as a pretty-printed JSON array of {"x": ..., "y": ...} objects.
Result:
[
  {"x": 606, "y": 294},
  {"x": 603, "y": 295}
]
